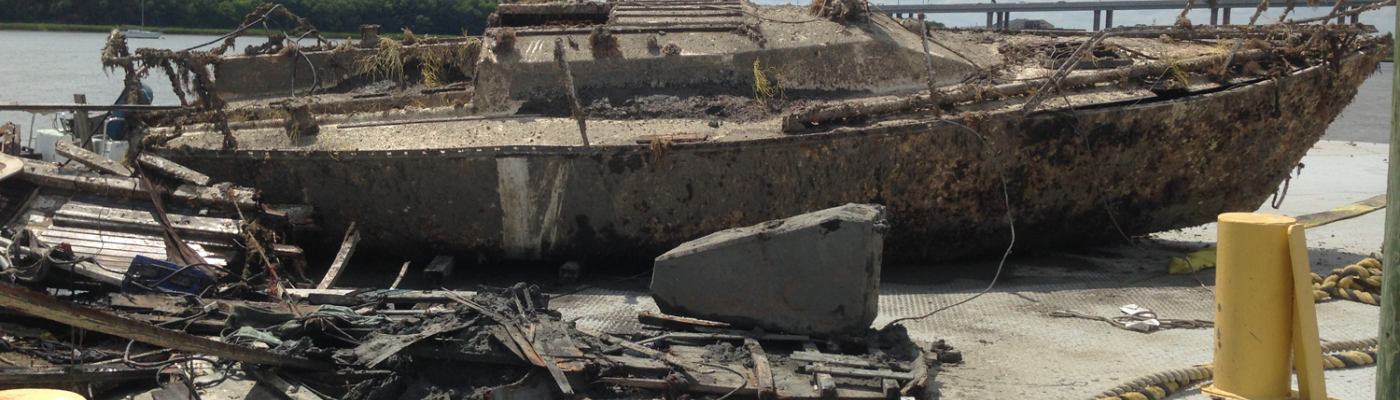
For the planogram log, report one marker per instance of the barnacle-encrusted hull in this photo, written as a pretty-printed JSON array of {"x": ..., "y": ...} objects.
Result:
[{"x": 1072, "y": 176}]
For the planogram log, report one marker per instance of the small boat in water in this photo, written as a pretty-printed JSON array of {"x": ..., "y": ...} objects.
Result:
[
  {"x": 141, "y": 34},
  {"x": 587, "y": 129}
]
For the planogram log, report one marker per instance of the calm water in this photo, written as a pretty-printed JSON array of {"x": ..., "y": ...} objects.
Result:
[{"x": 49, "y": 67}]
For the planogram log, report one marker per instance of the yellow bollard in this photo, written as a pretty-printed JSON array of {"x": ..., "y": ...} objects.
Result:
[{"x": 1253, "y": 308}]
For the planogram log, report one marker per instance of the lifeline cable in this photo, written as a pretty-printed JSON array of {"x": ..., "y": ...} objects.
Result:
[{"x": 1010, "y": 220}]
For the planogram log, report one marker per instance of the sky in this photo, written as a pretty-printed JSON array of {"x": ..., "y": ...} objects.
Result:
[{"x": 1383, "y": 19}]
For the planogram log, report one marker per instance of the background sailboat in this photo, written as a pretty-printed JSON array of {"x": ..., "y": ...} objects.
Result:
[{"x": 142, "y": 33}]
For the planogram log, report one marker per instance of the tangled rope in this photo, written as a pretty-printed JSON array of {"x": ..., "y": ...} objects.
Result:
[
  {"x": 1360, "y": 282},
  {"x": 1122, "y": 321}
]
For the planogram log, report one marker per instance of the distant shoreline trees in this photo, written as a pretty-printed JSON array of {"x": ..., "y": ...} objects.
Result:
[{"x": 439, "y": 17}]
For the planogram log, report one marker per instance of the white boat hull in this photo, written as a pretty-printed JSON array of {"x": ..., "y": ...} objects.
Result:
[{"x": 140, "y": 34}]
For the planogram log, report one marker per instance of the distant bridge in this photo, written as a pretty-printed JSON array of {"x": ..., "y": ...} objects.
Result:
[{"x": 999, "y": 14}]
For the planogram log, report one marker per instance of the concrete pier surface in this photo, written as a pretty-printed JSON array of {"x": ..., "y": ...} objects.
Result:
[{"x": 1013, "y": 348}]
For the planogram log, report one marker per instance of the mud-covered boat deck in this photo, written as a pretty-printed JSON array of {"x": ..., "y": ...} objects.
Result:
[{"x": 408, "y": 125}]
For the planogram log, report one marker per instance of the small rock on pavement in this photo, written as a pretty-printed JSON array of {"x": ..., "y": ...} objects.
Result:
[{"x": 814, "y": 274}]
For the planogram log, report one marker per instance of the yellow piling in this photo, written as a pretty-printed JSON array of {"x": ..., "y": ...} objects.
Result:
[{"x": 1253, "y": 308}]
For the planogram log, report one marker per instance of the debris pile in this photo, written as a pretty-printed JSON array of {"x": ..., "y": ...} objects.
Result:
[
  {"x": 210, "y": 303},
  {"x": 496, "y": 343}
]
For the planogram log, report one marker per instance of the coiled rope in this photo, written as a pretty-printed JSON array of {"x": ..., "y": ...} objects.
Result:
[
  {"x": 1155, "y": 386},
  {"x": 1360, "y": 282}
]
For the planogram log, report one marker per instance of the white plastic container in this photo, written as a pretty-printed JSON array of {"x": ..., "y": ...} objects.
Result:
[
  {"x": 46, "y": 143},
  {"x": 116, "y": 149}
]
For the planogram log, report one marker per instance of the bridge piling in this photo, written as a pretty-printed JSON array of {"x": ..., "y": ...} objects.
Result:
[
  {"x": 1108, "y": 19},
  {"x": 1096, "y": 20}
]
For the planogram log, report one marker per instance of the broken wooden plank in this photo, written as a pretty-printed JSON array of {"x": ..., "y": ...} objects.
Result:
[
  {"x": 663, "y": 356},
  {"x": 90, "y": 159},
  {"x": 921, "y": 366},
  {"x": 47, "y": 307},
  {"x": 177, "y": 305},
  {"x": 220, "y": 196},
  {"x": 860, "y": 373},
  {"x": 127, "y": 219},
  {"x": 526, "y": 346},
  {"x": 439, "y": 269},
  {"x": 558, "y": 374},
  {"x": 402, "y": 271},
  {"x": 763, "y": 336},
  {"x": 453, "y": 349},
  {"x": 523, "y": 343},
  {"x": 551, "y": 340},
  {"x": 286, "y": 250},
  {"x": 844, "y": 360},
  {"x": 171, "y": 169},
  {"x": 375, "y": 350},
  {"x": 19, "y": 377},
  {"x": 676, "y": 138},
  {"x": 639, "y": 366},
  {"x": 891, "y": 388},
  {"x": 409, "y": 296},
  {"x": 200, "y": 326},
  {"x": 347, "y": 248},
  {"x": 675, "y": 322},
  {"x": 826, "y": 384},
  {"x": 288, "y": 390},
  {"x": 762, "y": 370},
  {"x": 695, "y": 387}
]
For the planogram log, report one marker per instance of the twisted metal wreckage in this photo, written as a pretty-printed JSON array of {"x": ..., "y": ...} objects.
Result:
[{"x": 692, "y": 116}]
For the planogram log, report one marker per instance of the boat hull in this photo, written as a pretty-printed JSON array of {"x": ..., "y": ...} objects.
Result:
[{"x": 1073, "y": 177}]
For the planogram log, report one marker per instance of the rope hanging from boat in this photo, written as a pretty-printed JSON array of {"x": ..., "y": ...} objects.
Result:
[{"x": 1010, "y": 221}]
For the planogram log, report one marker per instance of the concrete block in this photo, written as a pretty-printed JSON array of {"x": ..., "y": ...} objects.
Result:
[{"x": 815, "y": 274}]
